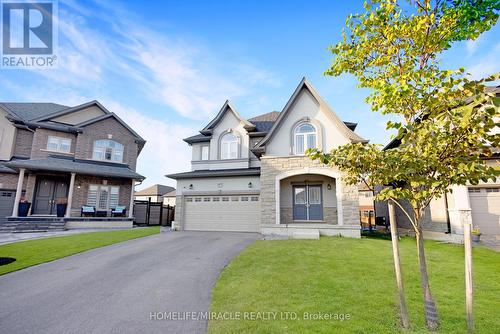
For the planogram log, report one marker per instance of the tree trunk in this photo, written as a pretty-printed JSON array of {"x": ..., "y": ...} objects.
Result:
[
  {"x": 431, "y": 313},
  {"x": 405, "y": 322}
]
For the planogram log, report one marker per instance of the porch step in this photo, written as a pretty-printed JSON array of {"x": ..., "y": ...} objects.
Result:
[
  {"x": 23, "y": 225},
  {"x": 305, "y": 234}
]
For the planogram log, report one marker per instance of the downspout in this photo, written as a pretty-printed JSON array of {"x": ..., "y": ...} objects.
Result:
[{"x": 448, "y": 224}]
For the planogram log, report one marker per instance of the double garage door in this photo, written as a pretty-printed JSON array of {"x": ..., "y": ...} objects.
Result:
[
  {"x": 238, "y": 213},
  {"x": 485, "y": 208}
]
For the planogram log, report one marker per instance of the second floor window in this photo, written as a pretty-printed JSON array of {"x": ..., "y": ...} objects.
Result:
[
  {"x": 229, "y": 146},
  {"x": 305, "y": 138},
  {"x": 109, "y": 150},
  {"x": 58, "y": 144}
]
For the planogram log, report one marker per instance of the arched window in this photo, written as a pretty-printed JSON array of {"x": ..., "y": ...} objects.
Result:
[
  {"x": 109, "y": 150},
  {"x": 229, "y": 146},
  {"x": 305, "y": 137}
]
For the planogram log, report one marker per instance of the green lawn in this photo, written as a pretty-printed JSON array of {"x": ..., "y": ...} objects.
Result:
[
  {"x": 31, "y": 252},
  {"x": 355, "y": 277}
]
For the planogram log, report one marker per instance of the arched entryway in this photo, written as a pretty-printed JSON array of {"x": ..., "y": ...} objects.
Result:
[{"x": 309, "y": 195}]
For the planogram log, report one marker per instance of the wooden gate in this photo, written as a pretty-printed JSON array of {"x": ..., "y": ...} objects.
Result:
[{"x": 152, "y": 213}]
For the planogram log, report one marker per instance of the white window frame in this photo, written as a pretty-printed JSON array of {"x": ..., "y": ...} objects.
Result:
[
  {"x": 228, "y": 145},
  {"x": 59, "y": 143},
  {"x": 97, "y": 190},
  {"x": 205, "y": 148},
  {"x": 103, "y": 147},
  {"x": 304, "y": 136}
]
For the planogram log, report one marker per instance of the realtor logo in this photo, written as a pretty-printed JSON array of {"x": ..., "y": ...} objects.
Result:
[{"x": 28, "y": 34}]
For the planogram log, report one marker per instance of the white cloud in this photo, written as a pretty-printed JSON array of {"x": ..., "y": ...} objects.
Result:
[
  {"x": 164, "y": 152},
  {"x": 486, "y": 65}
]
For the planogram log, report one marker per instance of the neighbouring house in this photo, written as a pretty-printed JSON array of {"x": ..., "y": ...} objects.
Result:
[
  {"x": 444, "y": 217},
  {"x": 169, "y": 198},
  {"x": 157, "y": 193},
  {"x": 252, "y": 174},
  {"x": 366, "y": 207},
  {"x": 82, "y": 155}
]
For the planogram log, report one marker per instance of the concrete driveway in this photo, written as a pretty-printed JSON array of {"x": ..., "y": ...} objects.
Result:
[{"x": 121, "y": 288}]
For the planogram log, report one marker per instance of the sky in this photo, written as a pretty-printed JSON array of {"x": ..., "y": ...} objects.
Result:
[{"x": 167, "y": 67}]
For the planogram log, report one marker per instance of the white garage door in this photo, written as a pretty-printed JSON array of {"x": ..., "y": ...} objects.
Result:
[
  {"x": 485, "y": 206},
  {"x": 222, "y": 213}
]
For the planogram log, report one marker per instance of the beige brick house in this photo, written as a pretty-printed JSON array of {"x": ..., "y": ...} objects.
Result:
[
  {"x": 50, "y": 153},
  {"x": 252, "y": 175}
]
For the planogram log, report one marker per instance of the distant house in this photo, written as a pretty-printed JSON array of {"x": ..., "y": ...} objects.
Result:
[
  {"x": 157, "y": 193},
  {"x": 366, "y": 206}
]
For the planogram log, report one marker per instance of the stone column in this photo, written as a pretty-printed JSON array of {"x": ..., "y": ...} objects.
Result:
[
  {"x": 70, "y": 195},
  {"x": 19, "y": 190},
  {"x": 131, "y": 205}
]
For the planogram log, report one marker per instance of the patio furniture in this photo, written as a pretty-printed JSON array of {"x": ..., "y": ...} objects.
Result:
[
  {"x": 119, "y": 211},
  {"x": 88, "y": 211},
  {"x": 101, "y": 213}
]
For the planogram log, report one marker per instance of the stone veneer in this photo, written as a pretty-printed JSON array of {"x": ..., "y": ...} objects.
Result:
[{"x": 273, "y": 166}]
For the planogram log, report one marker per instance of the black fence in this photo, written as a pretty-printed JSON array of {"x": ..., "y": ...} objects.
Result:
[{"x": 152, "y": 213}]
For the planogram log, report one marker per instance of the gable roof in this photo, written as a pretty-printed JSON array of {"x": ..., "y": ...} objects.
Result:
[
  {"x": 31, "y": 110},
  {"x": 304, "y": 84},
  {"x": 70, "y": 110},
  {"x": 207, "y": 130},
  {"x": 155, "y": 190},
  {"x": 111, "y": 115},
  {"x": 265, "y": 122}
]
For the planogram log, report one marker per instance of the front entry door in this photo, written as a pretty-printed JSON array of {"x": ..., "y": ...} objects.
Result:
[
  {"x": 307, "y": 202},
  {"x": 48, "y": 191}
]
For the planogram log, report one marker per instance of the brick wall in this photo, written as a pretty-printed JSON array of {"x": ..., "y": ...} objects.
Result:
[
  {"x": 272, "y": 166},
  {"x": 9, "y": 181},
  {"x": 23, "y": 143},
  {"x": 40, "y": 138},
  {"x": 103, "y": 130},
  {"x": 80, "y": 192}
]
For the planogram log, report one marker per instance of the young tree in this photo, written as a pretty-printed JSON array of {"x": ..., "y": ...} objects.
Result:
[{"x": 445, "y": 119}]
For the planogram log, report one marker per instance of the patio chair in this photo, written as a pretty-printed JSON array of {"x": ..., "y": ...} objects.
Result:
[
  {"x": 119, "y": 211},
  {"x": 88, "y": 211}
]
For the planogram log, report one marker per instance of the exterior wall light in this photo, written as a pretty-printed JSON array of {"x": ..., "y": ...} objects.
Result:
[
  {"x": 250, "y": 185},
  {"x": 191, "y": 186},
  {"x": 329, "y": 186}
]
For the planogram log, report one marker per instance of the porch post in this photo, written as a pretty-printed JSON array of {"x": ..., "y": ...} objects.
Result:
[
  {"x": 131, "y": 205},
  {"x": 18, "y": 192},
  {"x": 70, "y": 195}
]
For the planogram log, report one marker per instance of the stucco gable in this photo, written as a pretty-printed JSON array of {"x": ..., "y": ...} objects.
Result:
[
  {"x": 304, "y": 97},
  {"x": 226, "y": 108}
]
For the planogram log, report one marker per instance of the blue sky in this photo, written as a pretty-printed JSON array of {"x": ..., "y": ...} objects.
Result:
[{"x": 166, "y": 67}]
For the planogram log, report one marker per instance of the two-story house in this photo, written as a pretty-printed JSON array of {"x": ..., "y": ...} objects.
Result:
[
  {"x": 252, "y": 174},
  {"x": 50, "y": 153}
]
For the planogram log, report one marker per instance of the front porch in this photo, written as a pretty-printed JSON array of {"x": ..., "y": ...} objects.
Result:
[
  {"x": 37, "y": 223},
  {"x": 56, "y": 188},
  {"x": 306, "y": 202}
]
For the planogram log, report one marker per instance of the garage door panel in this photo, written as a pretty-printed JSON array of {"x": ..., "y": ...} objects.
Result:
[
  {"x": 222, "y": 213},
  {"x": 485, "y": 209}
]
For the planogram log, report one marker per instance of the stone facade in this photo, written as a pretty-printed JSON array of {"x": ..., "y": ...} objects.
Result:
[{"x": 271, "y": 167}]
